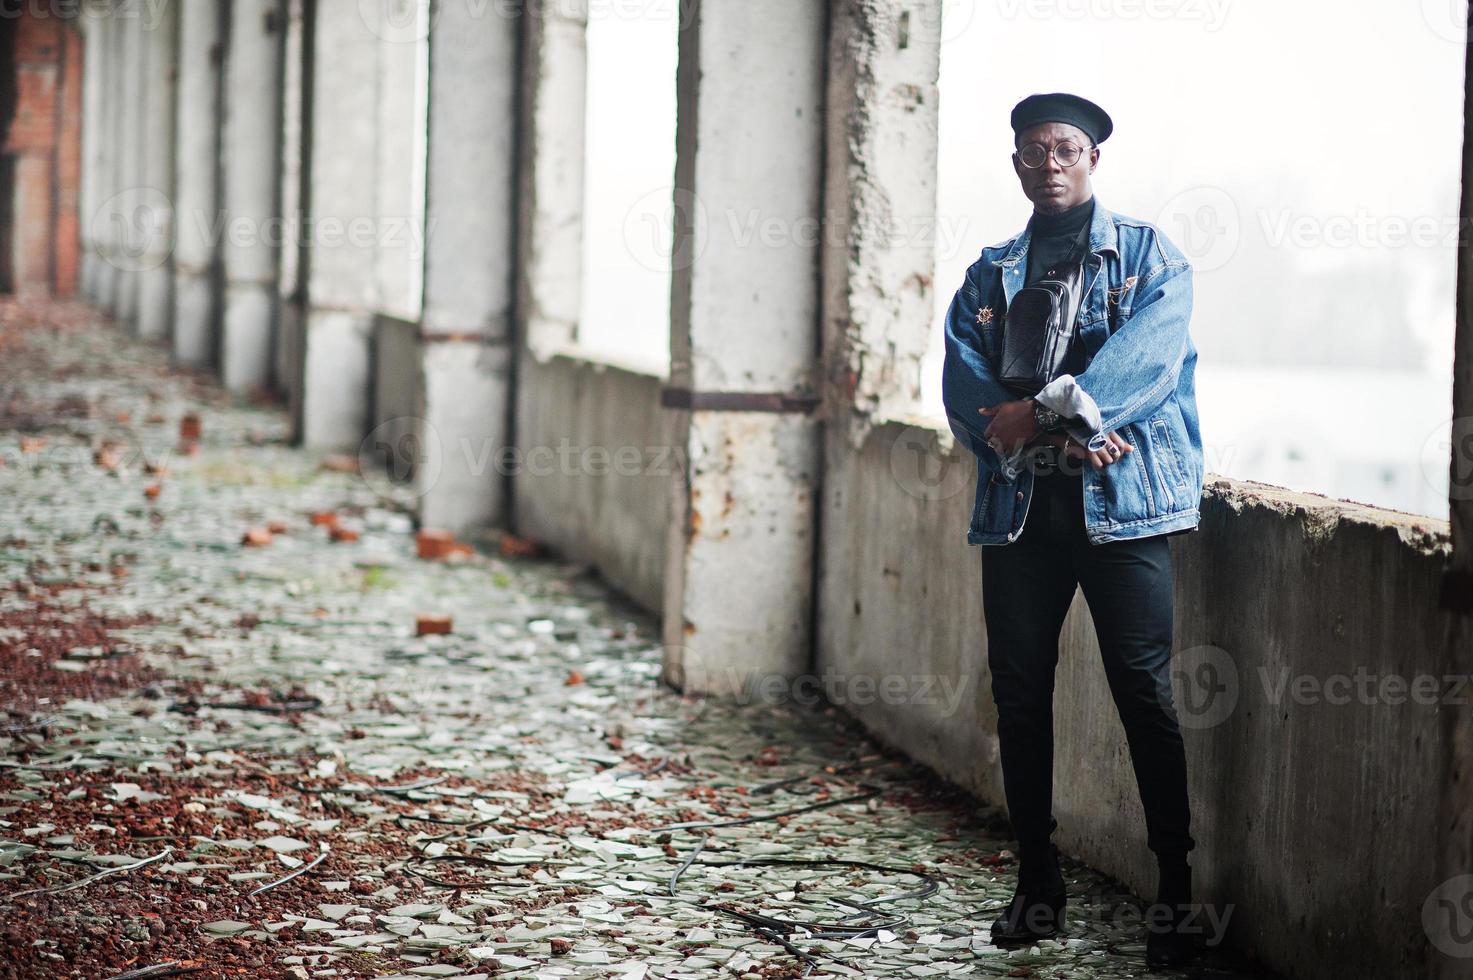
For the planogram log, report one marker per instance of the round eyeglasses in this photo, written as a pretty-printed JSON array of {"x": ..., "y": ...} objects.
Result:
[{"x": 1034, "y": 155}]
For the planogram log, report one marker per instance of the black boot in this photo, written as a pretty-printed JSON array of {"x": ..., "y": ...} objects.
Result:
[
  {"x": 1037, "y": 909},
  {"x": 1170, "y": 940}
]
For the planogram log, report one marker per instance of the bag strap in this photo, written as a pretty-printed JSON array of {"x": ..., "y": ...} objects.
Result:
[{"x": 1081, "y": 246}]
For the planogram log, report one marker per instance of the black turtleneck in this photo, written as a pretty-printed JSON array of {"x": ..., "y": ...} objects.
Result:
[{"x": 1054, "y": 235}]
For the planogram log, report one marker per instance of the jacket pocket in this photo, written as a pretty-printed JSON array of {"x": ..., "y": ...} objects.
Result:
[
  {"x": 984, "y": 494},
  {"x": 1168, "y": 463}
]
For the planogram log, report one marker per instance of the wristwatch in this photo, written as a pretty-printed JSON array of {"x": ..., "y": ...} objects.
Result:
[{"x": 1048, "y": 419}]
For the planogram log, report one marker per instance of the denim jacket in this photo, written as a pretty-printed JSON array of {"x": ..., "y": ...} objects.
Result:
[{"x": 1139, "y": 381}]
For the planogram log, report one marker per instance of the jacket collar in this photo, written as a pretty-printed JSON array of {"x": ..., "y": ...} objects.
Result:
[{"x": 1103, "y": 236}]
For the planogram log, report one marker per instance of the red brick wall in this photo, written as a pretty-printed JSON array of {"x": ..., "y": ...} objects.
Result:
[{"x": 44, "y": 143}]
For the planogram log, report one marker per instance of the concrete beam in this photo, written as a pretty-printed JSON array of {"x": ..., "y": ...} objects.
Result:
[
  {"x": 466, "y": 355},
  {"x": 252, "y": 156},
  {"x": 156, "y": 275},
  {"x": 744, "y": 319},
  {"x": 555, "y": 76},
  {"x": 197, "y": 293}
]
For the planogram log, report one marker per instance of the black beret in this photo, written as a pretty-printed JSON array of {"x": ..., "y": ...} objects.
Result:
[{"x": 1064, "y": 108}]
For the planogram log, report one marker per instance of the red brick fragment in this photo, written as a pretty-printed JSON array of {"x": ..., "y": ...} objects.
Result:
[
  {"x": 515, "y": 547},
  {"x": 433, "y": 544},
  {"x": 431, "y": 624},
  {"x": 256, "y": 537},
  {"x": 190, "y": 428}
]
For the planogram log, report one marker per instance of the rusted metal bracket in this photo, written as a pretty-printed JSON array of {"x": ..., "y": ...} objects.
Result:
[{"x": 737, "y": 401}]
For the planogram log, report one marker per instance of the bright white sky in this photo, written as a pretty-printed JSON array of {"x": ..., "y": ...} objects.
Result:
[{"x": 1239, "y": 117}]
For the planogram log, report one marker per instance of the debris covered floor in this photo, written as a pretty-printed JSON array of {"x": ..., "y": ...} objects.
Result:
[{"x": 232, "y": 759}]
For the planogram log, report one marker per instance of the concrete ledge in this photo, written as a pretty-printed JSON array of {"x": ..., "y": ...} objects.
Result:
[
  {"x": 396, "y": 404},
  {"x": 597, "y": 457},
  {"x": 1316, "y": 816}
]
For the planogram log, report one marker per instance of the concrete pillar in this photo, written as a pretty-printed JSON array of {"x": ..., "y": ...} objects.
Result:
[
  {"x": 156, "y": 272},
  {"x": 100, "y": 217},
  {"x": 466, "y": 327},
  {"x": 878, "y": 267},
  {"x": 342, "y": 254},
  {"x": 880, "y": 209},
  {"x": 291, "y": 287},
  {"x": 94, "y": 146},
  {"x": 105, "y": 220},
  {"x": 744, "y": 337},
  {"x": 403, "y": 66},
  {"x": 252, "y": 156},
  {"x": 197, "y": 185},
  {"x": 133, "y": 204},
  {"x": 550, "y": 261}
]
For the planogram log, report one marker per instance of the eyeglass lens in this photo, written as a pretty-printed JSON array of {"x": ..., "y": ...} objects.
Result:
[{"x": 1034, "y": 155}]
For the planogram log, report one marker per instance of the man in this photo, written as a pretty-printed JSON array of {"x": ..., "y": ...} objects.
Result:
[{"x": 1080, "y": 485}]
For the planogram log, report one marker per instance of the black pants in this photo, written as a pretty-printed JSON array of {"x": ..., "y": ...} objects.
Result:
[{"x": 1027, "y": 587}]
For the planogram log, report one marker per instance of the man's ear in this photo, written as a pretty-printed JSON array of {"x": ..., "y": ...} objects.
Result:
[{"x": 1094, "y": 158}]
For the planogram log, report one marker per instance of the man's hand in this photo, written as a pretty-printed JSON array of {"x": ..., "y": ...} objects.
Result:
[
  {"x": 1013, "y": 426},
  {"x": 1099, "y": 460}
]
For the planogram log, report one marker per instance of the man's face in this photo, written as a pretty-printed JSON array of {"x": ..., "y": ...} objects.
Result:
[{"x": 1053, "y": 188}]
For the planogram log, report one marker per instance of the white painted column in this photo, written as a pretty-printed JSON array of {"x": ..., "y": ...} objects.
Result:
[
  {"x": 156, "y": 273},
  {"x": 466, "y": 326},
  {"x": 252, "y": 154},
  {"x": 744, "y": 324},
  {"x": 552, "y": 170},
  {"x": 342, "y": 254},
  {"x": 197, "y": 212}
]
